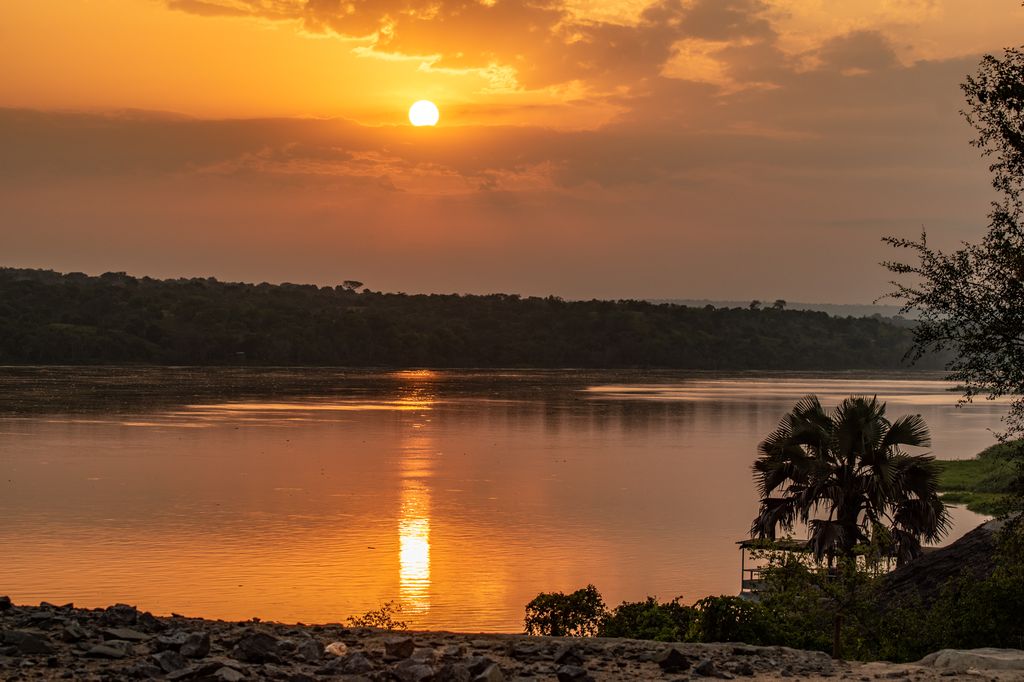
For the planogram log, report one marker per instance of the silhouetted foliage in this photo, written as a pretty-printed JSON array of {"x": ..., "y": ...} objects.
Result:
[
  {"x": 383, "y": 618},
  {"x": 971, "y": 301},
  {"x": 668, "y": 622},
  {"x": 578, "y": 614},
  {"x": 850, "y": 464},
  {"x": 46, "y": 317},
  {"x": 799, "y": 600}
]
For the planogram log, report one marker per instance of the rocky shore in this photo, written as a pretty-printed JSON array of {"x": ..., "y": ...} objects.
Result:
[{"x": 122, "y": 643}]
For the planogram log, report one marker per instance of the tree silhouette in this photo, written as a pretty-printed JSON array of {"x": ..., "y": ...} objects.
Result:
[{"x": 845, "y": 474}]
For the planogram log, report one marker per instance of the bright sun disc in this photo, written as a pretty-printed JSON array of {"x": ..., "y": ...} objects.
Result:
[{"x": 424, "y": 113}]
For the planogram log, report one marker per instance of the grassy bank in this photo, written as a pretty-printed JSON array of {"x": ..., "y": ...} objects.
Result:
[{"x": 982, "y": 483}]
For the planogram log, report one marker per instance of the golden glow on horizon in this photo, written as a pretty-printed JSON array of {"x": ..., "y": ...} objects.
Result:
[{"x": 424, "y": 113}]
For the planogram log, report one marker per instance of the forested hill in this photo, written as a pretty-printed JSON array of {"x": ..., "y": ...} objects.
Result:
[{"x": 48, "y": 317}]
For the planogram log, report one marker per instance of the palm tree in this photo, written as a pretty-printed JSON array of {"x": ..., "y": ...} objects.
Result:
[{"x": 845, "y": 474}]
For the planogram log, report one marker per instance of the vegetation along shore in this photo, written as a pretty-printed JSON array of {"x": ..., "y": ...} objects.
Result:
[
  {"x": 120, "y": 642},
  {"x": 52, "y": 318}
]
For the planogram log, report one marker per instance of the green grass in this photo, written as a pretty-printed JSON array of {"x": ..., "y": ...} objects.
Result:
[{"x": 983, "y": 482}]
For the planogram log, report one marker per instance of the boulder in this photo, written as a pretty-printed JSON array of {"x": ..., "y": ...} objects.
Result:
[
  {"x": 73, "y": 632},
  {"x": 960, "y": 660},
  {"x": 26, "y": 642},
  {"x": 169, "y": 661},
  {"x": 672, "y": 660},
  {"x": 573, "y": 673},
  {"x": 172, "y": 641},
  {"x": 127, "y": 634},
  {"x": 411, "y": 670},
  {"x": 196, "y": 645},
  {"x": 396, "y": 648},
  {"x": 336, "y": 649},
  {"x": 114, "y": 648},
  {"x": 491, "y": 673},
  {"x": 256, "y": 647},
  {"x": 120, "y": 615},
  {"x": 309, "y": 650}
]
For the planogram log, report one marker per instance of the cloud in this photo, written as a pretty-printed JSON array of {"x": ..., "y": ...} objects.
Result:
[
  {"x": 543, "y": 43},
  {"x": 858, "y": 51}
]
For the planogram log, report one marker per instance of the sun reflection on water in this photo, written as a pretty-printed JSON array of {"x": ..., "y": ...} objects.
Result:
[{"x": 415, "y": 471}]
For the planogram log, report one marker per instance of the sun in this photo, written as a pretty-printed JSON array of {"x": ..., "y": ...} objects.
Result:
[{"x": 424, "y": 113}]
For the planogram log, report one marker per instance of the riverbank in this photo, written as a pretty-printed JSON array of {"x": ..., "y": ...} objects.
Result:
[
  {"x": 120, "y": 642},
  {"x": 983, "y": 482}
]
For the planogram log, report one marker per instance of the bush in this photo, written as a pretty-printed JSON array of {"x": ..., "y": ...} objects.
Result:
[
  {"x": 383, "y": 618},
  {"x": 668, "y": 622},
  {"x": 566, "y": 615},
  {"x": 729, "y": 619}
]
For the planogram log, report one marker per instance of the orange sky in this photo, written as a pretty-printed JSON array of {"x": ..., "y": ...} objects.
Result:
[{"x": 678, "y": 148}]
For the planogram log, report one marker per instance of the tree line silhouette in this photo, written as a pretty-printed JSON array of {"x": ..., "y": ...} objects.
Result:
[{"x": 49, "y": 317}]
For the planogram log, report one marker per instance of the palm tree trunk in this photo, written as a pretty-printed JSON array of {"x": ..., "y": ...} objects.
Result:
[{"x": 837, "y": 637}]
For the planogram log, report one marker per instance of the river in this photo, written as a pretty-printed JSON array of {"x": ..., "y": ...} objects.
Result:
[{"x": 313, "y": 495}]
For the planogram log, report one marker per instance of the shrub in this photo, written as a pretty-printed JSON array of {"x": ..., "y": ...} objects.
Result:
[
  {"x": 566, "y": 615},
  {"x": 383, "y": 618},
  {"x": 729, "y": 619},
  {"x": 668, "y": 622}
]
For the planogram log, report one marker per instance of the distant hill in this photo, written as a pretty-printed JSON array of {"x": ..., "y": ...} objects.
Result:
[
  {"x": 49, "y": 317},
  {"x": 835, "y": 309}
]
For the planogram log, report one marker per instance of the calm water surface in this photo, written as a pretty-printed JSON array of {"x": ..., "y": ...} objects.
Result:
[{"x": 314, "y": 495}]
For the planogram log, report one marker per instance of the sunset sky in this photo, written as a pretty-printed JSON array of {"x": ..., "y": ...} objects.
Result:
[{"x": 724, "y": 149}]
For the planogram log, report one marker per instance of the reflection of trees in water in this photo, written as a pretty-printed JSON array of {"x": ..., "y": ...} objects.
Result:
[{"x": 589, "y": 415}]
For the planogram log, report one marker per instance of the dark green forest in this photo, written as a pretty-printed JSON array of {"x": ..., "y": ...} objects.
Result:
[{"x": 49, "y": 317}]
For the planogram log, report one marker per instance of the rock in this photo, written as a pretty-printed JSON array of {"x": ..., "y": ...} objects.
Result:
[
  {"x": 742, "y": 650},
  {"x": 196, "y": 645},
  {"x": 453, "y": 672},
  {"x": 256, "y": 647},
  {"x": 672, "y": 660},
  {"x": 410, "y": 670},
  {"x": 744, "y": 669},
  {"x": 228, "y": 675},
  {"x": 148, "y": 622},
  {"x": 309, "y": 650},
  {"x": 491, "y": 673},
  {"x": 170, "y": 642},
  {"x": 169, "y": 660},
  {"x": 336, "y": 649},
  {"x": 568, "y": 654},
  {"x": 707, "y": 668},
  {"x": 424, "y": 654},
  {"x": 126, "y": 634},
  {"x": 450, "y": 651},
  {"x": 113, "y": 649},
  {"x": 478, "y": 664},
  {"x": 354, "y": 664},
  {"x": 573, "y": 673},
  {"x": 144, "y": 671},
  {"x": 526, "y": 651},
  {"x": 5, "y": 603},
  {"x": 26, "y": 642},
  {"x": 960, "y": 660},
  {"x": 398, "y": 647},
  {"x": 73, "y": 632},
  {"x": 120, "y": 615}
]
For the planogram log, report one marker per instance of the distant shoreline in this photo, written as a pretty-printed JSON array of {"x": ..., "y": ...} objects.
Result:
[{"x": 48, "y": 317}]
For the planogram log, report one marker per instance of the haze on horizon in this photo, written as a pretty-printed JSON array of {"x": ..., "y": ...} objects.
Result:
[{"x": 723, "y": 149}]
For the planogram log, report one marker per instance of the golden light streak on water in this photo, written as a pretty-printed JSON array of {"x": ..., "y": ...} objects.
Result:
[{"x": 416, "y": 470}]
